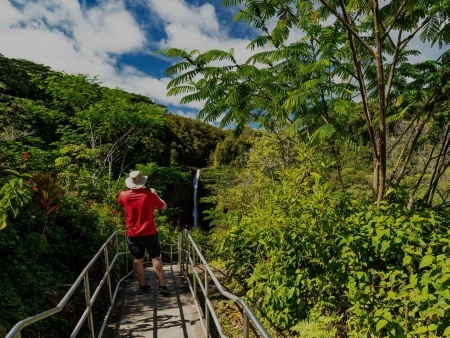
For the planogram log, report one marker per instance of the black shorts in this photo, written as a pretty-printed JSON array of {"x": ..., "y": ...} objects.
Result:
[{"x": 139, "y": 244}]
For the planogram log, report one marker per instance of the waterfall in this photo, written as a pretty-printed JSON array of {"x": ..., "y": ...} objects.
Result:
[{"x": 195, "y": 210}]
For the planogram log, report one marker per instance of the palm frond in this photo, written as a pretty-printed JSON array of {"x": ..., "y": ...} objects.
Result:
[
  {"x": 183, "y": 78},
  {"x": 351, "y": 144},
  {"x": 173, "y": 53},
  {"x": 259, "y": 42},
  {"x": 322, "y": 133},
  {"x": 174, "y": 91}
]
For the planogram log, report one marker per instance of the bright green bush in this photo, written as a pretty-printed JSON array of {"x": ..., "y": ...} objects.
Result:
[
  {"x": 321, "y": 327},
  {"x": 304, "y": 251},
  {"x": 399, "y": 269}
]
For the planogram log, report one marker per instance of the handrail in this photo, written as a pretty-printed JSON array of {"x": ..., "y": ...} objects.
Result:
[
  {"x": 90, "y": 300},
  {"x": 187, "y": 259},
  {"x": 84, "y": 276}
]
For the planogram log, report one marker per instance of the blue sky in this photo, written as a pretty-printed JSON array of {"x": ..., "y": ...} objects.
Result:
[{"x": 116, "y": 39}]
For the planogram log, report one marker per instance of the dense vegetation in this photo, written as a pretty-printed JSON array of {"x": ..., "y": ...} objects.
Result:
[
  {"x": 336, "y": 223},
  {"x": 66, "y": 145},
  {"x": 316, "y": 261},
  {"x": 331, "y": 219}
]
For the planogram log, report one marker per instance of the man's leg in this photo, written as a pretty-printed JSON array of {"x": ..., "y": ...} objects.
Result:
[
  {"x": 139, "y": 271},
  {"x": 158, "y": 268}
]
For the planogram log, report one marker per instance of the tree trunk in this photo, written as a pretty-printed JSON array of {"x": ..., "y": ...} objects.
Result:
[{"x": 381, "y": 105}]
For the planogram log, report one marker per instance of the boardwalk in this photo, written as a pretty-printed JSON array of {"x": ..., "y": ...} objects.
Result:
[{"x": 152, "y": 315}]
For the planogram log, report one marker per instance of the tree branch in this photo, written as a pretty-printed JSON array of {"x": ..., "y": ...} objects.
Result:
[
  {"x": 347, "y": 25},
  {"x": 400, "y": 12}
]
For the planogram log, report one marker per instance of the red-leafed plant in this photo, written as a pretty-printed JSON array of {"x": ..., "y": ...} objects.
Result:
[{"x": 48, "y": 192}]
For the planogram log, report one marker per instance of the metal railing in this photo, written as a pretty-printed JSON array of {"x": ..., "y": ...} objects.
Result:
[
  {"x": 90, "y": 300},
  {"x": 188, "y": 255}
]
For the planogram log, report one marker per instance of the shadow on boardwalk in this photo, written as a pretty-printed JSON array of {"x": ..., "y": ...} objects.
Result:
[{"x": 153, "y": 315}]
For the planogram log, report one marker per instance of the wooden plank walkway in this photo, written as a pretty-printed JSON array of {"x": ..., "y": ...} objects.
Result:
[{"x": 153, "y": 315}]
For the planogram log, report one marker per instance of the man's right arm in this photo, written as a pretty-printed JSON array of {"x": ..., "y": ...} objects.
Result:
[{"x": 164, "y": 205}]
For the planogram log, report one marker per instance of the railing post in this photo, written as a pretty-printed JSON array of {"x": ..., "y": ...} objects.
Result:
[
  {"x": 117, "y": 249},
  {"x": 183, "y": 251},
  {"x": 183, "y": 257},
  {"x": 108, "y": 278},
  {"x": 179, "y": 249},
  {"x": 187, "y": 252},
  {"x": 206, "y": 302},
  {"x": 171, "y": 255},
  {"x": 87, "y": 294},
  {"x": 126, "y": 257},
  {"x": 193, "y": 276},
  {"x": 246, "y": 323}
]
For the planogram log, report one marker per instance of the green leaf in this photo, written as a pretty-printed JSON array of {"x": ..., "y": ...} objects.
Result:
[
  {"x": 390, "y": 192},
  {"x": 432, "y": 327},
  {"x": 444, "y": 278},
  {"x": 447, "y": 331},
  {"x": 316, "y": 177},
  {"x": 426, "y": 261},
  {"x": 384, "y": 246},
  {"x": 323, "y": 132},
  {"x": 406, "y": 260},
  {"x": 381, "y": 323},
  {"x": 11, "y": 171},
  {"x": 421, "y": 329},
  {"x": 14, "y": 206}
]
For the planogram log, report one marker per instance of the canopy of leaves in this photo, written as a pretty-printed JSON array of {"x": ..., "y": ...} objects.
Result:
[{"x": 326, "y": 63}]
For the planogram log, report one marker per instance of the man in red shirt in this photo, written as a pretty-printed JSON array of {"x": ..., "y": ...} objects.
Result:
[{"x": 142, "y": 235}]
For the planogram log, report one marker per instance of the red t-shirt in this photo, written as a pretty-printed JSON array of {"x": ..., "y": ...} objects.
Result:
[{"x": 138, "y": 205}]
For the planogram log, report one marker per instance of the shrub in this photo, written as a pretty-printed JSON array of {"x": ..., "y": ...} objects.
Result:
[{"x": 304, "y": 251}]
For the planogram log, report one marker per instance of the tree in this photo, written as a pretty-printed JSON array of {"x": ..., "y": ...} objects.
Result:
[
  {"x": 99, "y": 129},
  {"x": 314, "y": 84},
  {"x": 191, "y": 142}
]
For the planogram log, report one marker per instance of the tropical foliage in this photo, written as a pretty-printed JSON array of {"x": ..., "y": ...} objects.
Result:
[
  {"x": 330, "y": 218},
  {"x": 66, "y": 145},
  {"x": 315, "y": 259},
  {"x": 359, "y": 68},
  {"x": 356, "y": 115}
]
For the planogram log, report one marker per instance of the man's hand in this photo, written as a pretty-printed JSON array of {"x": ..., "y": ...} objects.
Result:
[{"x": 153, "y": 191}]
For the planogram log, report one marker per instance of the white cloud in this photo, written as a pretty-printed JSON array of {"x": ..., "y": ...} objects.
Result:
[
  {"x": 188, "y": 114},
  {"x": 135, "y": 81},
  {"x": 178, "y": 11},
  {"x": 190, "y": 27},
  {"x": 109, "y": 29},
  {"x": 8, "y": 15},
  {"x": 76, "y": 39},
  {"x": 63, "y": 36}
]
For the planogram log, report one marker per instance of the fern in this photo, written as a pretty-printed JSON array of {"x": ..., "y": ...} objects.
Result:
[
  {"x": 258, "y": 42},
  {"x": 301, "y": 95},
  {"x": 180, "y": 90},
  {"x": 431, "y": 30},
  {"x": 183, "y": 78},
  {"x": 351, "y": 144},
  {"x": 173, "y": 53},
  {"x": 322, "y": 133},
  {"x": 217, "y": 55},
  {"x": 192, "y": 97},
  {"x": 178, "y": 68}
]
